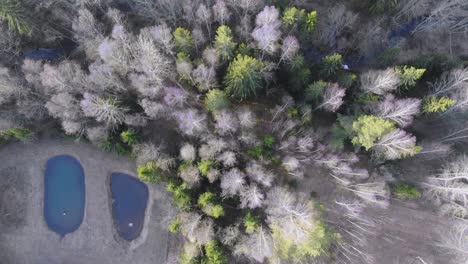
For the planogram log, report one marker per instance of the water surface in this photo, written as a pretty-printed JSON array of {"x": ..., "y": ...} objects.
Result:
[
  {"x": 129, "y": 200},
  {"x": 64, "y": 194}
]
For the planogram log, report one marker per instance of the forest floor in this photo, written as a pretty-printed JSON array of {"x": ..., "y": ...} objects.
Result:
[
  {"x": 24, "y": 235},
  {"x": 404, "y": 233}
]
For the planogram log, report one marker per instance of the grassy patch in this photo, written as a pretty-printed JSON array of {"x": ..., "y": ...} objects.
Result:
[{"x": 405, "y": 191}]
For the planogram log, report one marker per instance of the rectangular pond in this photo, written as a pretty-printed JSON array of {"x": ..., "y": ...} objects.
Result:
[{"x": 64, "y": 194}]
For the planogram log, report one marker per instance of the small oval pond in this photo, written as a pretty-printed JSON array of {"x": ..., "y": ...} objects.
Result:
[
  {"x": 129, "y": 199},
  {"x": 64, "y": 194}
]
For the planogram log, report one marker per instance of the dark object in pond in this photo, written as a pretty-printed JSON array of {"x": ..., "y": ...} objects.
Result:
[
  {"x": 44, "y": 54},
  {"x": 64, "y": 194},
  {"x": 129, "y": 200}
]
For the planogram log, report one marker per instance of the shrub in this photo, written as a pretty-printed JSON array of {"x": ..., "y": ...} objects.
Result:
[
  {"x": 368, "y": 129},
  {"x": 180, "y": 193},
  {"x": 409, "y": 76},
  {"x": 315, "y": 90},
  {"x": 367, "y": 99},
  {"x": 183, "y": 40},
  {"x": 208, "y": 204},
  {"x": 129, "y": 136},
  {"x": 292, "y": 16},
  {"x": 311, "y": 21},
  {"x": 214, "y": 254},
  {"x": 224, "y": 44},
  {"x": 110, "y": 144},
  {"x": 347, "y": 80},
  {"x": 251, "y": 223},
  {"x": 405, "y": 191},
  {"x": 216, "y": 100},
  {"x": 149, "y": 172},
  {"x": 204, "y": 166},
  {"x": 244, "y": 49},
  {"x": 174, "y": 226},
  {"x": 244, "y": 77},
  {"x": 14, "y": 14},
  {"x": 21, "y": 134},
  {"x": 434, "y": 104},
  {"x": 331, "y": 64},
  {"x": 268, "y": 141}
]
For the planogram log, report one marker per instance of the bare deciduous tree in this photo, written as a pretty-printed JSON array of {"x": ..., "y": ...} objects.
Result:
[
  {"x": 188, "y": 152},
  {"x": 154, "y": 109},
  {"x": 232, "y": 182},
  {"x": 226, "y": 122},
  {"x": 191, "y": 122},
  {"x": 259, "y": 174},
  {"x": 251, "y": 197},
  {"x": 204, "y": 78},
  {"x": 267, "y": 32},
  {"x": 332, "y": 98},
  {"x": 196, "y": 228},
  {"x": 293, "y": 214},
  {"x": 454, "y": 241},
  {"x": 450, "y": 188},
  {"x": 395, "y": 145},
  {"x": 450, "y": 81},
  {"x": 257, "y": 246},
  {"x": 400, "y": 111},
  {"x": 289, "y": 49},
  {"x": 104, "y": 110},
  {"x": 380, "y": 82},
  {"x": 221, "y": 12}
]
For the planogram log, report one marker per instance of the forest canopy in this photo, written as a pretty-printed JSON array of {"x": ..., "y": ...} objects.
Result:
[{"x": 257, "y": 97}]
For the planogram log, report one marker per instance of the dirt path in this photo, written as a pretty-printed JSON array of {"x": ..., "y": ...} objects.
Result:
[{"x": 24, "y": 236}]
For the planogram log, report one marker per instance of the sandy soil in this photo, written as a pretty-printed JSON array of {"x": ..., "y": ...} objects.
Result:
[{"x": 24, "y": 236}]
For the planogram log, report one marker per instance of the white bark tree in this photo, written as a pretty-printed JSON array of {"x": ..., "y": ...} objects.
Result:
[
  {"x": 107, "y": 111},
  {"x": 196, "y": 228},
  {"x": 449, "y": 188},
  {"x": 400, "y": 111},
  {"x": 267, "y": 32},
  {"x": 257, "y": 246},
  {"x": 292, "y": 214},
  {"x": 221, "y": 12},
  {"x": 204, "y": 78},
  {"x": 232, "y": 182},
  {"x": 259, "y": 174},
  {"x": 380, "y": 82},
  {"x": 226, "y": 122},
  {"x": 188, "y": 152},
  {"x": 450, "y": 81},
  {"x": 332, "y": 98},
  {"x": 371, "y": 192},
  {"x": 395, "y": 145},
  {"x": 191, "y": 122},
  {"x": 251, "y": 197},
  {"x": 289, "y": 49},
  {"x": 454, "y": 241}
]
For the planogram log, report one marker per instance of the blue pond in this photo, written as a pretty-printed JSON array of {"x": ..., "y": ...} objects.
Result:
[
  {"x": 45, "y": 54},
  {"x": 129, "y": 199},
  {"x": 64, "y": 194}
]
